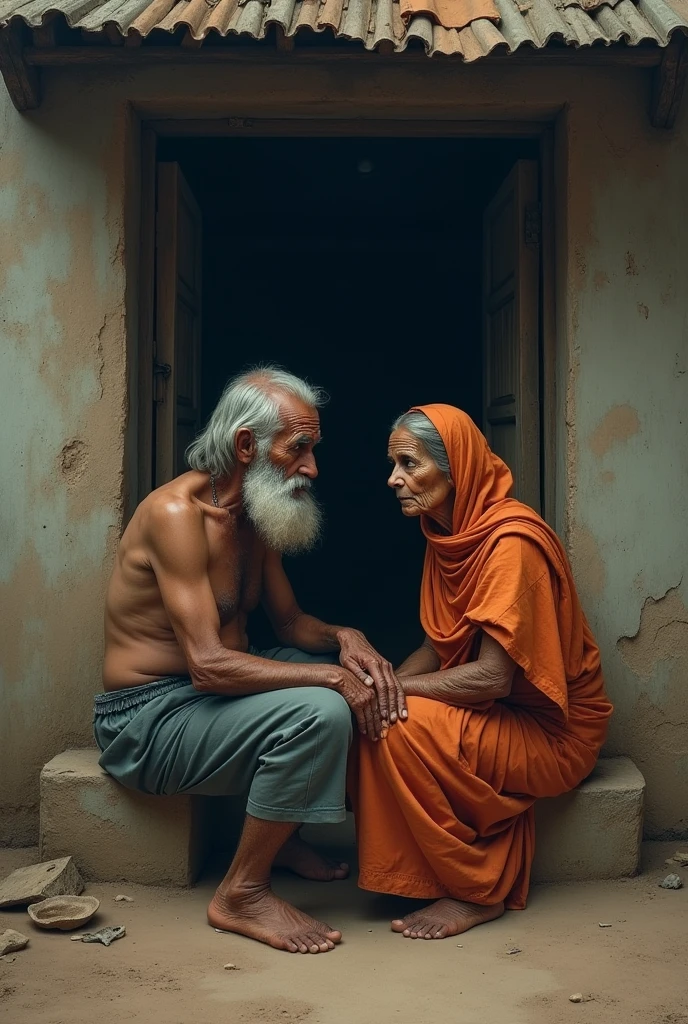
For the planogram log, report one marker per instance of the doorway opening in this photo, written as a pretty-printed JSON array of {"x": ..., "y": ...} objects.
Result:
[{"x": 387, "y": 270}]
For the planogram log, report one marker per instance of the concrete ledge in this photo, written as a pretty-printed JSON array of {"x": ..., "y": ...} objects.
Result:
[
  {"x": 115, "y": 834},
  {"x": 594, "y": 831}
]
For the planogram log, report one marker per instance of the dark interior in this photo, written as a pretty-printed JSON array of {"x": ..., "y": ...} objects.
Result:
[{"x": 355, "y": 263}]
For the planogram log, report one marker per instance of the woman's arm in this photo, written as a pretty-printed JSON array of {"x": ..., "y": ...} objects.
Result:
[
  {"x": 488, "y": 678},
  {"x": 422, "y": 661}
]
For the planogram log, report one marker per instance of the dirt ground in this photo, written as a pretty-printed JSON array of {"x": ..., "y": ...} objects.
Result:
[{"x": 169, "y": 968}]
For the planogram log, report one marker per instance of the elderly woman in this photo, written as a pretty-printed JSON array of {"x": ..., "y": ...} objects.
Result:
[{"x": 506, "y": 697}]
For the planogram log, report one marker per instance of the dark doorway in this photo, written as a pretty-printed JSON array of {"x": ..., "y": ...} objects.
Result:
[{"x": 356, "y": 263}]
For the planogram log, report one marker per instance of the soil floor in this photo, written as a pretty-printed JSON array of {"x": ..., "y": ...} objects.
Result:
[{"x": 169, "y": 968}]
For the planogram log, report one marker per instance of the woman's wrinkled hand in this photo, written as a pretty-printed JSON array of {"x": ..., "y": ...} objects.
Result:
[{"x": 375, "y": 672}]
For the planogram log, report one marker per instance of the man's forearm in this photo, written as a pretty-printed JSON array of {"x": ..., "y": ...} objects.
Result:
[
  {"x": 235, "y": 674},
  {"x": 311, "y": 634}
]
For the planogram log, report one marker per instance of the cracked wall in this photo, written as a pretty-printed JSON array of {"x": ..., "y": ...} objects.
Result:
[
  {"x": 622, "y": 316},
  {"x": 627, "y": 502}
]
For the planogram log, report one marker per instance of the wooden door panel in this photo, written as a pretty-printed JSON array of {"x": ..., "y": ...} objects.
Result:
[
  {"x": 178, "y": 321},
  {"x": 511, "y": 328}
]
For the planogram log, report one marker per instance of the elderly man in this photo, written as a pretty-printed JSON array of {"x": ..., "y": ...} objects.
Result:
[{"x": 188, "y": 706}]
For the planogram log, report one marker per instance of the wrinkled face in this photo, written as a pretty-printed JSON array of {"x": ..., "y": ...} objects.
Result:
[
  {"x": 292, "y": 447},
  {"x": 421, "y": 487},
  {"x": 276, "y": 487}
]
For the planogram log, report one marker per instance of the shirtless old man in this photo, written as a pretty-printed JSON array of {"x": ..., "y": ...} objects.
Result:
[{"x": 188, "y": 707}]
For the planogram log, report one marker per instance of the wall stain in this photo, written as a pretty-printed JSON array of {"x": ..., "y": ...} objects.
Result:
[
  {"x": 620, "y": 424},
  {"x": 74, "y": 459},
  {"x": 600, "y": 279},
  {"x": 607, "y": 477},
  {"x": 643, "y": 310},
  {"x": 631, "y": 265},
  {"x": 662, "y": 634}
]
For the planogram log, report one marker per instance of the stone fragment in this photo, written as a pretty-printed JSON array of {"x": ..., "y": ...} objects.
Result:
[
  {"x": 12, "y": 942},
  {"x": 124, "y": 899},
  {"x": 604, "y": 924},
  {"x": 38, "y": 881},
  {"x": 104, "y": 935},
  {"x": 671, "y": 882},
  {"x": 231, "y": 967},
  {"x": 679, "y": 858},
  {"x": 513, "y": 951},
  {"x": 8, "y": 959},
  {"x": 577, "y": 997}
]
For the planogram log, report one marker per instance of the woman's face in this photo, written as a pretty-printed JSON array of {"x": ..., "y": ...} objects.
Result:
[{"x": 421, "y": 487}]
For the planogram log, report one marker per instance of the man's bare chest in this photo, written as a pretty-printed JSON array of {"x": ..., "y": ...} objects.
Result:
[{"x": 235, "y": 568}]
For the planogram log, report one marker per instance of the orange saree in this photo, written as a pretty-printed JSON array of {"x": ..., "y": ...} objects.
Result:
[{"x": 444, "y": 805}]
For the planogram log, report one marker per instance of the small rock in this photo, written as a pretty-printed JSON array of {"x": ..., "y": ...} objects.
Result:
[
  {"x": 671, "y": 882},
  {"x": 8, "y": 959},
  {"x": 370, "y": 929},
  {"x": 513, "y": 951},
  {"x": 577, "y": 997},
  {"x": 603, "y": 924},
  {"x": 12, "y": 942},
  {"x": 124, "y": 899},
  {"x": 459, "y": 945},
  {"x": 105, "y": 935},
  {"x": 231, "y": 967},
  {"x": 38, "y": 881},
  {"x": 679, "y": 858}
]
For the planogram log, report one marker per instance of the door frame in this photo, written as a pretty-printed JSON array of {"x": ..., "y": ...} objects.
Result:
[{"x": 150, "y": 130}]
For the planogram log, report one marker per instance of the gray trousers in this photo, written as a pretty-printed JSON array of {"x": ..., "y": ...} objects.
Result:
[{"x": 286, "y": 748}]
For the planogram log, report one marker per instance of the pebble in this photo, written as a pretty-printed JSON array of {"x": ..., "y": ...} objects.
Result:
[
  {"x": 679, "y": 858},
  {"x": 12, "y": 941},
  {"x": 459, "y": 945},
  {"x": 124, "y": 899},
  {"x": 231, "y": 967},
  {"x": 513, "y": 950},
  {"x": 671, "y": 882},
  {"x": 603, "y": 924},
  {"x": 577, "y": 997}
]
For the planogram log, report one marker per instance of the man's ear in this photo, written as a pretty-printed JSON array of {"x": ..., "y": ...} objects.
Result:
[{"x": 245, "y": 445}]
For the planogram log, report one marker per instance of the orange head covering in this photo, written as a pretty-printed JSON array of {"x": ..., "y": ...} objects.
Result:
[{"x": 502, "y": 570}]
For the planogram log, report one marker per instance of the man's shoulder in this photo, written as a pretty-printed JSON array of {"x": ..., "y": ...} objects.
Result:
[{"x": 169, "y": 509}]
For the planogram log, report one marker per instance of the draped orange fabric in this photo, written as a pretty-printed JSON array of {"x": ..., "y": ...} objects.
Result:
[{"x": 444, "y": 805}]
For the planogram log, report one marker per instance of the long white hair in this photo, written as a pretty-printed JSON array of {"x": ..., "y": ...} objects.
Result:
[{"x": 248, "y": 400}]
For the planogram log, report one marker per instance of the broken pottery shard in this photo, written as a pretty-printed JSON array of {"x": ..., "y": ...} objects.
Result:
[
  {"x": 124, "y": 899},
  {"x": 680, "y": 858},
  {"x": 12, "y": 942},
  {"x": 105, "y": 935},
  {"x": 603, "y": 924},
  {"x": 37, "y": 882},
  {"x": 671, "y": 882}
]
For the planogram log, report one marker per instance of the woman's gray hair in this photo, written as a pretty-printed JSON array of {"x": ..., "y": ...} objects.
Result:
[
  {"x": 418, "y": 424},
  {"x": 249, "y": 400}
]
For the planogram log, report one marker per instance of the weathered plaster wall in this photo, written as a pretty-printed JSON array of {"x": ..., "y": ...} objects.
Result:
[
  {"x": 621, "y": 376},
  {"x": 628, "y": 451},
  {"x": 63, "y": 405}
]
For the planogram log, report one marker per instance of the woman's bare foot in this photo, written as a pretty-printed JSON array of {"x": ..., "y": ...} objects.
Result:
[
  {"x": 444, "y": 918},
  {"x": 261, "y": 915},
  {"x": 303, "y": 860}
]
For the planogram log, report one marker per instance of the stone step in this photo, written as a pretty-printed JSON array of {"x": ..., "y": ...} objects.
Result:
[
  {"x": 117, "y": 835},
  {"x": 593, "y": 832}
]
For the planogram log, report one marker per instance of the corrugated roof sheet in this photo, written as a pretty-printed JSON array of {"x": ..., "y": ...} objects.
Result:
[{"x": 373, "y": 23}]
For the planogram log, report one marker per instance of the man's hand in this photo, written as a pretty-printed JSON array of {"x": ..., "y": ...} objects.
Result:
[
  {"x": 374, "y": 671},
  {"x": 362, "y": 699}
]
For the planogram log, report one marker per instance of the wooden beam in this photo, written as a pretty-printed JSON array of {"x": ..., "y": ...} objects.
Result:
[
  {"x": 45, "y": 36},
  {"x": 640, "y": 56},
  {"x": 344, "y": 128},
  {"x": 669, "y": 82},
  {"x": 21, "y": 79}
]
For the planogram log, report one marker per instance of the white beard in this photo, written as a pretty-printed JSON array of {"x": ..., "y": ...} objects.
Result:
[{"x": 287, "y": 523}]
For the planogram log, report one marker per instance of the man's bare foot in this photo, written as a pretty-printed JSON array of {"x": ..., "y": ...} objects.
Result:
[
  {"x": 444, "y": 918},
  {"x": 303, "y": 860},
  {"x": 261, "y": 915}
]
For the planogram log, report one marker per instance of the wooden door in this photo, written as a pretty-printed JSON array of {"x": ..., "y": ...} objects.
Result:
[
  {"x": 511, "y": 246},
  {"x": 178, "y": 322}
]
